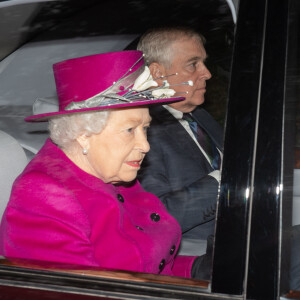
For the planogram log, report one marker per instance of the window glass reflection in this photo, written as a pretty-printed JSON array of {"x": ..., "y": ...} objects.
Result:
[
  {"x": 56, "y": 43},
  {"x": 293, "y": 97}
]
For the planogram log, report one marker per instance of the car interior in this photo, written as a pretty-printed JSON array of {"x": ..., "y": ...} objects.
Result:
[{"x": 40, "y": 33}]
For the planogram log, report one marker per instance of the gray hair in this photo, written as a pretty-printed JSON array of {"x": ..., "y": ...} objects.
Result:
[
  {"x": 64, "y": 130},
  {"x": 156, "y": 43}
]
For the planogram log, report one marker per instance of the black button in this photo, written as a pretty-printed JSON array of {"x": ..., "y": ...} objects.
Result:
[
  {"x": 162, "y": 264},
  {"x": 120, "y": 198},
  {"x": 139, "y": 228},
  {"x": 155, "y": 217},
  {"x": 172, "y": 249}
]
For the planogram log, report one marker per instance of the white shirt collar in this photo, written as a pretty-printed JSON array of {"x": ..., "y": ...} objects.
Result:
[{"x": 176, "y": 113}]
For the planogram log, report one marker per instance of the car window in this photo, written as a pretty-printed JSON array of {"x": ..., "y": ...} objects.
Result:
[{"x": 38, "y": 34}]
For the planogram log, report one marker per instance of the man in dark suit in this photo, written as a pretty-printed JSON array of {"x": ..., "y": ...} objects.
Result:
[{"x": 179, "y": 169}]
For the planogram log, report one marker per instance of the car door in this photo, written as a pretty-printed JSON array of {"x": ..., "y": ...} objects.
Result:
[{"x": 252, "y": 247}]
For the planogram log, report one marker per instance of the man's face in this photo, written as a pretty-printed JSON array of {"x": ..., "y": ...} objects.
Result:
[{"x": 188, "y": 57}]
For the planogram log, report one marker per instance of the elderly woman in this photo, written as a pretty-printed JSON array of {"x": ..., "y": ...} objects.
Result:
[{"x": 78, "y": 201}]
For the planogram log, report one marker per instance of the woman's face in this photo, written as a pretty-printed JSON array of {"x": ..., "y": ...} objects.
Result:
[{"x": 116, "y": 154}]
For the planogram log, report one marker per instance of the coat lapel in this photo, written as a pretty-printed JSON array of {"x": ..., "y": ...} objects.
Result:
[
  {"x": 181, "y": 139},
  {"x": 212, "y": 128}
]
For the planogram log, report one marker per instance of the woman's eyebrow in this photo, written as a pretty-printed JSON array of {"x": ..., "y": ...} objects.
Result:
[{"x": 133, "y": 121}]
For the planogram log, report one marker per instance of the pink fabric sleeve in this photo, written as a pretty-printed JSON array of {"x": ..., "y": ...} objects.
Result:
[
  {"x": 182, "y": 266},
  {"x": 58, "y": 229}
]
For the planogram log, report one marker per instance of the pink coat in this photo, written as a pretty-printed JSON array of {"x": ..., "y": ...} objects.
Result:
[{"x": 59, "y": 213}]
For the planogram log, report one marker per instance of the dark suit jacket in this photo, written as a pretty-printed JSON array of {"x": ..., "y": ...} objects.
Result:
[{"x": 176, "y": 171}]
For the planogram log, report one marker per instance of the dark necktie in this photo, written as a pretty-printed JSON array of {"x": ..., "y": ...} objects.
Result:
[{"x": 204, "y": 140}]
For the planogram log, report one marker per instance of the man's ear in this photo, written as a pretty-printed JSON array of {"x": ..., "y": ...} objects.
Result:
[
  {"x": 83, "y": 141},
  {"x": 157, "y": 70}
]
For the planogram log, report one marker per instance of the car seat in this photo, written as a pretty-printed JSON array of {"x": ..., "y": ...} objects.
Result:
[{"x": 12, "y": 162}]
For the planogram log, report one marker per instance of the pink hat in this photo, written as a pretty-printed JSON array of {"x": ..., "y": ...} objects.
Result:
[{"x": 105, "y": 81}]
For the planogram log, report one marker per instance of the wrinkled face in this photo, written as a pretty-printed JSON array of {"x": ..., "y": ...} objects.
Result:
[
  {"x": 116, "y": 153},
  {"x": 188, "y": 57}
]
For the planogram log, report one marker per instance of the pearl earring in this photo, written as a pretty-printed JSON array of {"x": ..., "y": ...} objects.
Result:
[{"x": 84, "y": 151}]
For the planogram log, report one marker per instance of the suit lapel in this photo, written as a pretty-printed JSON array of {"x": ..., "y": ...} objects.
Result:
[
  {"x": 210, "y": 126},
  {"x": 181, "y": 139}
]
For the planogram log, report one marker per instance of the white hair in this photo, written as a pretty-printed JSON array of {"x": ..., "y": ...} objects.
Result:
[
  {"x": 156, "y": 43},
  {"x": 64, "y": 130}
]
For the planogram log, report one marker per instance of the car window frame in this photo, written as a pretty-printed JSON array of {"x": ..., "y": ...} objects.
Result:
[{"x": 254, "y": 221}]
